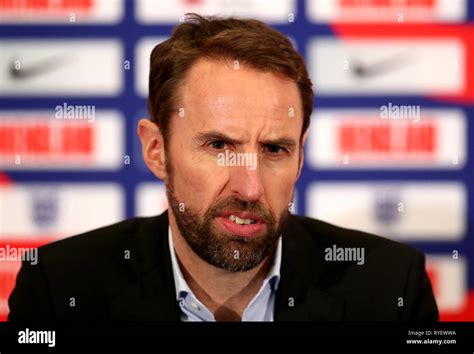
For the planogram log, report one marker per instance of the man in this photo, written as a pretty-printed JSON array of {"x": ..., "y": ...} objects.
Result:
[{"x": 230, "y": 103}]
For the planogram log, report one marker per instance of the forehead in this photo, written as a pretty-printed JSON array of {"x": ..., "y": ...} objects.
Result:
[{"x": 230, "y": 92}]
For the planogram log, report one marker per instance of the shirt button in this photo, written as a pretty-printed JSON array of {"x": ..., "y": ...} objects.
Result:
[{"x": 195, "y": 306}]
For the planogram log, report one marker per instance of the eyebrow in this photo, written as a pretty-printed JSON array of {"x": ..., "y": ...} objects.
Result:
[{"x": 215, "y": 135}]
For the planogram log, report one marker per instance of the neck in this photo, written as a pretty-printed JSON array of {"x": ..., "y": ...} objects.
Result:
[{"x": 226, "y": 294}]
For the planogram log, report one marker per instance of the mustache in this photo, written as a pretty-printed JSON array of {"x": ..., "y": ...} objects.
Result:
[{"x": 239, "y": 205}]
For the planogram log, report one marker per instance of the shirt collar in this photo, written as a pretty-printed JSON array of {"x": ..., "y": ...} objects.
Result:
[{"x": 181, "y": 285}]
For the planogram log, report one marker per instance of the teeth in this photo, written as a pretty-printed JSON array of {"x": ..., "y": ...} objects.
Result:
[{"x": 240, "y": 221}]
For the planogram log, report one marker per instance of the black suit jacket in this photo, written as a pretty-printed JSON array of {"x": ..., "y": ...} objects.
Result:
[{"x": 123, "y": 272}]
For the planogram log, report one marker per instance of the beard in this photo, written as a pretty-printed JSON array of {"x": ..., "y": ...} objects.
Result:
[{"x": 222, "y": 249}]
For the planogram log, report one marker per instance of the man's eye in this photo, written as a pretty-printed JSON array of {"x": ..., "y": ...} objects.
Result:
[
  {"x": 275, "y": 149},
  {"x": 218, "y": 144}
]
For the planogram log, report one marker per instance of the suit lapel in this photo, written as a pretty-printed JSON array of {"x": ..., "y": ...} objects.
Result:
[
  {"x": 300, "y": 295},
  {"x": 147, "y": 292}
]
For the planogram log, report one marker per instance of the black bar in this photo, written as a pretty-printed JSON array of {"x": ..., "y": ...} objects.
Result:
[{"x": 239, "y": 337}]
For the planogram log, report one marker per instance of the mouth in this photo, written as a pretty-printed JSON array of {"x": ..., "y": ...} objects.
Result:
[{"x": 242, "y": 224}]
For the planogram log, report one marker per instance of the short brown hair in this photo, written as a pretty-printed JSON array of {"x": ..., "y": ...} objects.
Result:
[{"x": 246, "y": 40}]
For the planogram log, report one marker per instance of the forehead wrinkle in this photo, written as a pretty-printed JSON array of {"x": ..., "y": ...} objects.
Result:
[
  {"x": 227, "y": 107},
  {"x": 206, "y": 102},
  {"x": 260, "y": 87}
]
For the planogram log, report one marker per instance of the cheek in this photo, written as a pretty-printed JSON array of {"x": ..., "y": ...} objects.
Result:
[
  {"x": 279, "y": 185},
  {"x": 197, "y": 180}
]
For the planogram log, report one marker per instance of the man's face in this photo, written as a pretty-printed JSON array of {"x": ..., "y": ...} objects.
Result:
[{"x": 232, "y": 160}]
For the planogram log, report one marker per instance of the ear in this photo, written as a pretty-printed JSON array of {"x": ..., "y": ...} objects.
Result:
[
  {"x": 153, "y": 148},
  {"x": 301, "y": 157}
]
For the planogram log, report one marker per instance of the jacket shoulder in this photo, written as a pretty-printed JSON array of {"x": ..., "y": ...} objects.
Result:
[
  {"x": 374, "y": 277},
  {"x": 99, "y": 241},
  {"x": 324, "y": 234},
  {"x": 89, "y": 269}
]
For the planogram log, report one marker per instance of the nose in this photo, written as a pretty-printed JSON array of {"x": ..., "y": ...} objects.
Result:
[{"x": 246, "y": 183}]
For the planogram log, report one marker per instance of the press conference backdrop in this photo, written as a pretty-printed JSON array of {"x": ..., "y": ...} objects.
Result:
[{"x": 388, "y": 149}]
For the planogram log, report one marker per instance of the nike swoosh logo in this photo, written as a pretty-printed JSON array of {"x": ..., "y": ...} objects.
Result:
[
  {"x": 366, "y": 71},
  {"x": 35, "y": 69}
]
